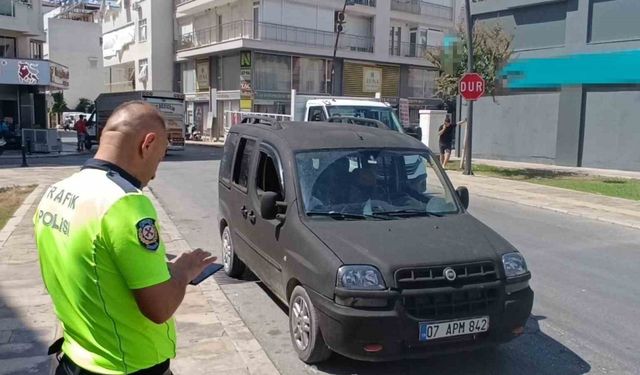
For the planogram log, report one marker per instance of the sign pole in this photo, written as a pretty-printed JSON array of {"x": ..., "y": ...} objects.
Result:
[{"x": 468, "y": 134}]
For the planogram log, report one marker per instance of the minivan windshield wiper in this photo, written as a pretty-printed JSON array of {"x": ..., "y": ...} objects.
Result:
[
  {"x": 408, "y": 212},
  {"x": 345, "y": 215}
]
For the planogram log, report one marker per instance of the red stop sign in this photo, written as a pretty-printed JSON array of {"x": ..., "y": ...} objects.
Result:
[{"x": 471, "y": 86}]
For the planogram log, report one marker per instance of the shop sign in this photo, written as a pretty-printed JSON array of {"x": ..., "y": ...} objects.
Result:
[
  {"x": 371, "y": 79},
  {"x": 246, "y": 88},
  {"x": 33, "y": 72},
  {"x": 202, "y": 75},
  {"x": 59, "y": 75},
  {"x": 228, "y": 95},
  {"x": 403, "y": 111},
  {"x": 272, "y": 95}
]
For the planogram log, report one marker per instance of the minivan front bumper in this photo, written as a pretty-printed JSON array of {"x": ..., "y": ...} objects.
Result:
[{"x": 347, "y": 330}]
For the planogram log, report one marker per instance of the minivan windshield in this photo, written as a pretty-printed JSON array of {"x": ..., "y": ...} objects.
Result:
[
  {"x": 373, "y": 184},
  {"x": 382, "y": 114}
]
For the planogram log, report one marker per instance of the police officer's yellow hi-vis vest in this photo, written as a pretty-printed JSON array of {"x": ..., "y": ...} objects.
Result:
[{"x": 98, "y": 240}]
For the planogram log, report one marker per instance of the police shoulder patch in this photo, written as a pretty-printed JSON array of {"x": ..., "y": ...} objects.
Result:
[{"x": 148, "y": 234}]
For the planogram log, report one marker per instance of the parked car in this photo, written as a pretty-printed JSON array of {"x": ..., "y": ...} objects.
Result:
[{"x": 372, "y": 265}]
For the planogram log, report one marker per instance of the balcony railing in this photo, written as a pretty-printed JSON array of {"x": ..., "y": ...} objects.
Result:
[
  {"x": 275, "y": 33},
  {"x": 422, "y": 7},
  {"x": 369, "y": 3},
  {"x": 180, "y": 2},
  {"x": 405, "y": 49},
  {"x": 8, "y": 7}
]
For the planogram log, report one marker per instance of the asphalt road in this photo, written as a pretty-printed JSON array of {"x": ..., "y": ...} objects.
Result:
[{"x": 586, "y": 276}]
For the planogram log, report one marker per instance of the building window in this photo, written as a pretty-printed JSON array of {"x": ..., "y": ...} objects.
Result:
[
  {"x": 613, "y": 20},
  {"x": 256, "y": 19},
  {"x": 36, "y": 49},
  {"x": 311, "y": 76},
  {"x": 7, "y": 47},
  {"x": 395, "y": 37},
  {"x": 142, "y": 30},
  {"x": 272, "y": 72},
  {"x": 422, "y": 83},
  {"x": 143, "y": 69}
]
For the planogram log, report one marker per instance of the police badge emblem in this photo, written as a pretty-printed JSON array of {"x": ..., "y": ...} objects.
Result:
[{"x": 148, "y": 234}]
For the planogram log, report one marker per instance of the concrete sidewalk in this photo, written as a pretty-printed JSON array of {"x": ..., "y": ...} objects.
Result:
[
  {"x": 608, "y": 209},
  {"x": 68, "y": 149},
  {"x": 206, "y": 143},
  {"x": 211, "y": 336},
  {"x": 611, "y": 173}
]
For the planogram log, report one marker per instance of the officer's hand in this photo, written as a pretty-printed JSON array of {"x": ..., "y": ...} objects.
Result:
[{"x": 190, "y": 264}]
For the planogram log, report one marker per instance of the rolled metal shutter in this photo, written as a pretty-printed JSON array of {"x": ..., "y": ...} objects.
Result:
[
  {"x": 390, "y": 80},
  {"x": 353, "y": 75},
  {"x": 352, "y": 80}
]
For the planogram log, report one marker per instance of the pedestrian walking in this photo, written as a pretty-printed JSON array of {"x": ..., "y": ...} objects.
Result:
[
  {"x": 445, "y": 131},
  {"x": 81, "y": 132},
  {"x": 103, "y": 261}
]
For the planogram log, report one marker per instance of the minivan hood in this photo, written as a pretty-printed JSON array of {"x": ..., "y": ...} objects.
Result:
[{"x": 417, "y": 241}]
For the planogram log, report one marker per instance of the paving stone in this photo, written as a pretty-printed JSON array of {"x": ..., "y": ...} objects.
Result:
[
  {"x": 25, "y": 365},
  {"x": 5, "y": 336},
  {"x": 44, "y": 336},
  {"x": 26, "y": 349}
]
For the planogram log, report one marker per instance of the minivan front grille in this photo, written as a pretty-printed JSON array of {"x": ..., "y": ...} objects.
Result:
[
  {"x": 433, "y": 276},
  {"x": 436, "y": 306}
]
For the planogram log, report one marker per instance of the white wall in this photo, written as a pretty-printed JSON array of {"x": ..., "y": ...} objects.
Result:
[
  {"x": 160, "y": 36},
  {"x": 66, "y": 48},
  {"x": 157, "y": 49}
]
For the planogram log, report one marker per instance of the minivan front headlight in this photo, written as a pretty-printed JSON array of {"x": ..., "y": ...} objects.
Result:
[
  {"x": 360, "y": 278},
  {"x": 514, "y": 265}
]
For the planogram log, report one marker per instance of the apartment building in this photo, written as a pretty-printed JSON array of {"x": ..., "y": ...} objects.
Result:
[
  {"x": 249, "y": 54},
  {"x": 572, "y": 90},
  {"x": 63, "y": 23},
  {"x": 24, "y": 74},
  {"x": 137, "y": 45}
]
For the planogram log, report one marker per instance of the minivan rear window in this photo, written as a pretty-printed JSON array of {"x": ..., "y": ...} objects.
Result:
[
  {"x": 243, "y": 161},
  {"x": 227, "y": 158}
]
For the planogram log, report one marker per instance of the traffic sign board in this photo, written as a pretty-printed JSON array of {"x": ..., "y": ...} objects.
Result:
[{"x": 471, "y": 86}]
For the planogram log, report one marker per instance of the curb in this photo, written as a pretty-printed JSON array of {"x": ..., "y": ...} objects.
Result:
[
  {"x": 17, "y": 217},
  {"x": 205, "y": 144},
  {"x": 43, "y": 156},
  {"x": 562, "y": 211},
  {"x": 256, "y": 360}
]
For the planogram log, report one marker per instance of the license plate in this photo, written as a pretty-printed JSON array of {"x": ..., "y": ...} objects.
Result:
[{"x": 438, "y": 330}]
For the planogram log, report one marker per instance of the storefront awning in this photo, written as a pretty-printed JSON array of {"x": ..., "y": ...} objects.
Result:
[
  {"x": 45, "y": 73},
  {"x": 613, "y": 68}
]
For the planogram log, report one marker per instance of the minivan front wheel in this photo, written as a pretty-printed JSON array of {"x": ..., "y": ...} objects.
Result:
[
  {"x": 233, "y": 266},
  {"x": 304, "y": 330}
]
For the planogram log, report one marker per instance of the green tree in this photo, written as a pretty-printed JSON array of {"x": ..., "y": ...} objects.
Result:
[
  {"x": 491, "y": 51},
  {"x": 84, "y": 105},
  {"x": 59, "y": 104}
]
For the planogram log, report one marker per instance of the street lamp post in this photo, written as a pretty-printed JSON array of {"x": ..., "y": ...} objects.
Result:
[
  {"x": 335, "y": 48},
  {"x": 467, "y": 150}
]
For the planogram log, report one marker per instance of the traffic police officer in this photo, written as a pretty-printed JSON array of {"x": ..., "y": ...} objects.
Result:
[{"x": 103, "y": 261}]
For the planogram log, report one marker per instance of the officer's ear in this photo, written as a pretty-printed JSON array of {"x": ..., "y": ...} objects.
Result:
[{"x": 148, "y": 142}]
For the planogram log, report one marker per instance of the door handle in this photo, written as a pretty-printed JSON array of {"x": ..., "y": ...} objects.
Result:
[
  {"x": 252, "y": 217},
  {"x": 243, "y": 211}
]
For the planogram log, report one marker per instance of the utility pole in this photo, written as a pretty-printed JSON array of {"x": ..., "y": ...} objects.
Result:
[
  {"x": 467, "y": 148},
  {"x": 338, "y": 25}
]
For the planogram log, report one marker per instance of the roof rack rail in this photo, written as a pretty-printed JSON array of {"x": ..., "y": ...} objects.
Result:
[
  {"x": 261, "y": 120},
  {"x": 372, "y": 123}
]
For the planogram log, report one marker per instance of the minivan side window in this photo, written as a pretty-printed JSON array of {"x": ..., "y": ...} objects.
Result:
[
  {"x": 268, "y": 177},
  {"x": 227, "y": 158},
  {"x": 316, "y": 114},
  {"x": 243, "y": 161}
]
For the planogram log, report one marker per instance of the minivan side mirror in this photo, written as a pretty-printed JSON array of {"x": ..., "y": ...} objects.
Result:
[
  {"x": 415, "y": 132},
  {"x": 269, "y": 206},
  {"x": 463, "y": 194}
]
